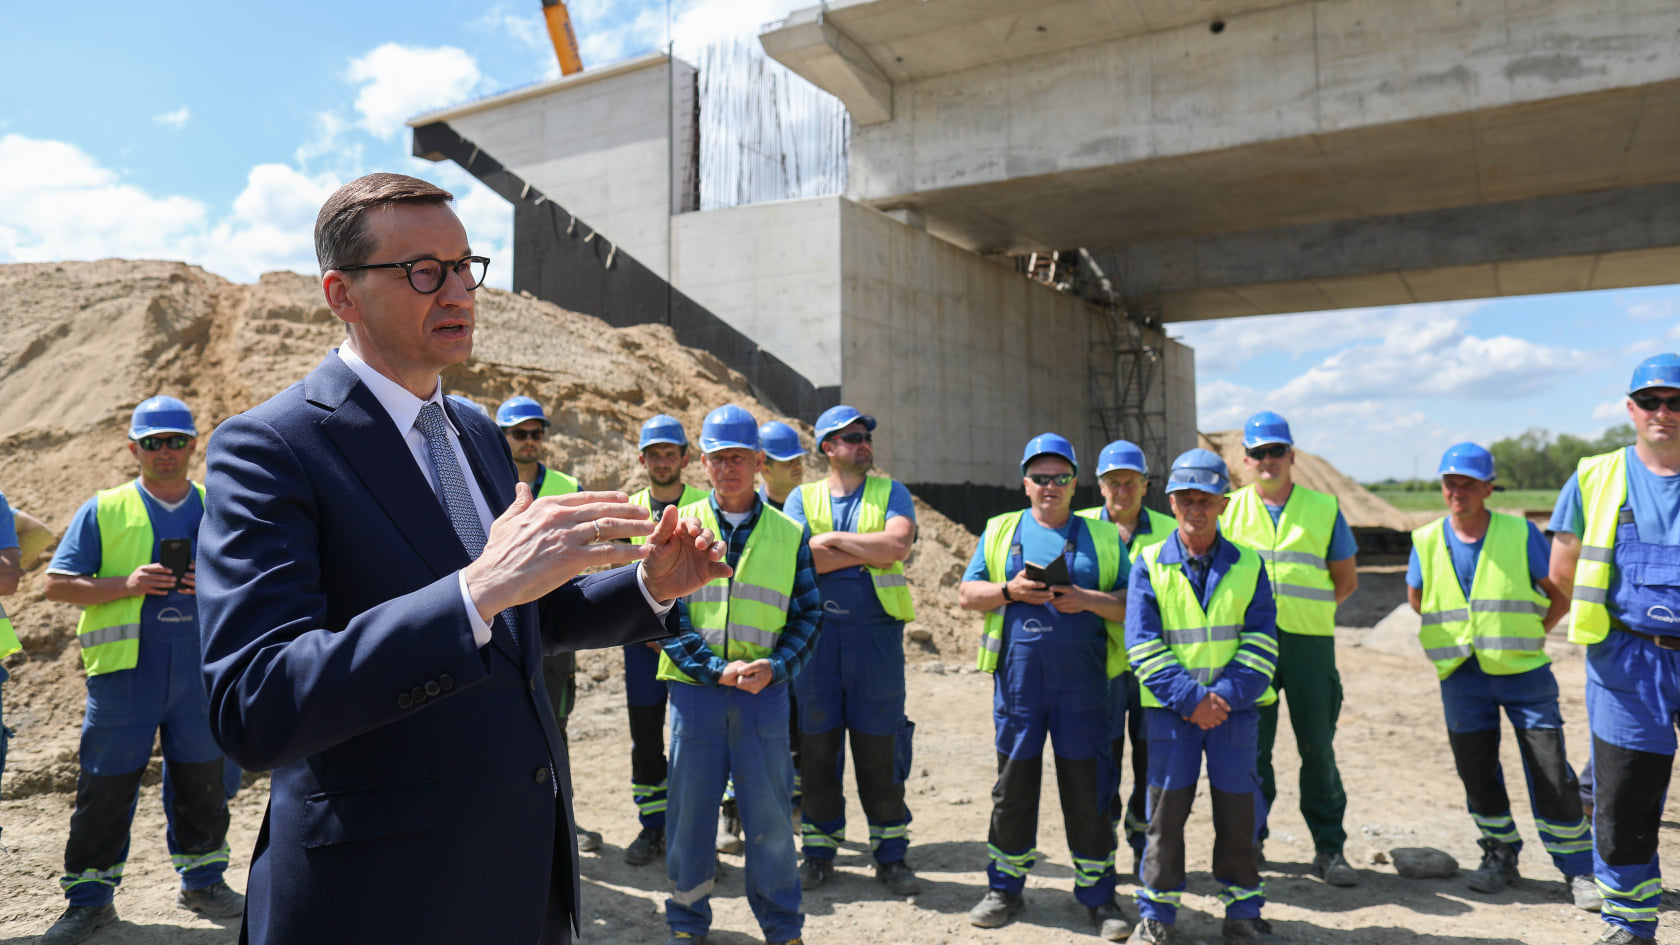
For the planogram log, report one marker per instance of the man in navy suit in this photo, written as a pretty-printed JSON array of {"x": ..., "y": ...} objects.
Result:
[{"x": 378, "y": 591}]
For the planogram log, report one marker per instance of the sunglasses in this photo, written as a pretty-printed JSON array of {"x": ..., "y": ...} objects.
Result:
[
  {"x": 1269, "y": 451},
  {"x": 855, "y": 438},
  {"x": 1650, "y": 402},
  {"x": 152, "y": 444},
  {"x": 523, "y": 435},
  {"x": 1045, "y": 479}
]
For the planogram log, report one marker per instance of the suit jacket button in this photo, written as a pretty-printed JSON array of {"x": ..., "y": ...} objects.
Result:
[
  {"x": 432, "y": 688},
  {"x": 417, "y": 694},
  {"x": 540, "y": 775},
  {"x": 405, "y": 701},
  {"x": 446, "y": 682}
]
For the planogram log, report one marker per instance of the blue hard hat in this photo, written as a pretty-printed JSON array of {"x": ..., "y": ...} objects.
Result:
[
  {"x": 780, "y": 441},
  {"x": 1121, "y": 454},
  {"x": 838, "y": 417},
  {"x": 517, "y": 410},
  {"x": 1201, "y": 470},
  {"x": 1052, "y": 444},
  {"x": 661, "y": 428},
  {"x": 161, "y": 414},
  {"x": 1265, "y": 427},
  {"x": 1467, "y": 459},
  {"x": 1662, "y": 370},
  {"x": 728, "y": 428}
]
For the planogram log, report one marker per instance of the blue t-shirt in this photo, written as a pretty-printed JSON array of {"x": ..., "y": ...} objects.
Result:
[
  {"x": 8, "y": 524},
  {"x": 849, "y": 593},
  {"x": 1342, "y": 543},
  {"x": 1655, "y": 500},
  {"x": 80, "y": 553},
  {"x": 1465, "y": 556}
]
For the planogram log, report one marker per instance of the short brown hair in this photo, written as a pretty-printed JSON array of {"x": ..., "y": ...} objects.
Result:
[{"x": 341, "y": 237}]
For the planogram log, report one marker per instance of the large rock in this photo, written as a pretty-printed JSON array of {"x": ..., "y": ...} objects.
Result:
[
  {"x": 1423, "y": 862},
  {"x": 1397, "y": 634}
]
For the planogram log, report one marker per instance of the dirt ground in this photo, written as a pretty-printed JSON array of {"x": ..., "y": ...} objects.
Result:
[{"x": 1401, "y": 787}]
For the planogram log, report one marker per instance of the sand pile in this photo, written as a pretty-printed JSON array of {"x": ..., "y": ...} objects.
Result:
[
  {"x": 88, "y": 341},
  {"x": 1359, "y": 505}
]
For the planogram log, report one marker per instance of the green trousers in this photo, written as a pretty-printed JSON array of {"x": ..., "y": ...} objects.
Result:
[{"x": 1307, "y": 677}]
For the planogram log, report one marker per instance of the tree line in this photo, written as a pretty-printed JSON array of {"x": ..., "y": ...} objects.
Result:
[{"x": 1535, "y": 460}]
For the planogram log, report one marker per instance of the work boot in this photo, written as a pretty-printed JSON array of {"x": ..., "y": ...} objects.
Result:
[
  {"x": 729, "y": 829},
  {"x": 1584, "y": 890},
  {"x": 898, "y": 877},
  {"x": 996, "y": 909},
  {"x": 786, "y": 941},
  {"x": 1333, "y": 868},
  {"x": 647, "y": 845},
  {"x": 1614, "y": 935},
  {"x": 1255, "y": 931},
  {"x": 1153, "y": 932},
  {"x": 814, "y": 872},
  {"x": 1498, "y": 869},
  {"x": 685, "y": 938},
  {"x": 217, "y": 902},
  {"x": 1111, "y": 922},
  {"x": 78, "y": 922},
  {"x": 588, "y": 841}
]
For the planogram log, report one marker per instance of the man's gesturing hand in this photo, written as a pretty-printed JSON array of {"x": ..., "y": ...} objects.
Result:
[
  {"x": 538, "y": 545},
  {"x": 682, "y": 558}
]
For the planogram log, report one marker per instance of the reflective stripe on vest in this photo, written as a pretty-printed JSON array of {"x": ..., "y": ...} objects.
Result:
[
  {"x": 741, "y": 618},
  {"x": 644, "y": 499},
  {"x": 1604, "y": 490},
  {"x": 1160, "y": 526},
  {"x": 109, "y": 633},
  {"x": 995, "y": 541},
  {"x": 1293, "y": 551},
  {"x": 891, "y": 589},
  {"x": 1202, "y": 642},
  {"x": 556, "y": 482},
  {"x": 1502, "y": 621}
]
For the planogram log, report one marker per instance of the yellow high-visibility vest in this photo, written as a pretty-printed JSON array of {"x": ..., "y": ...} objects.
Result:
[
  {"x": 1604, "y": 490},
  {"x": 109, "y": 633},
  {"x": 1293, "y": 550},
  {"x": 891, "y": 588},
  {"x": 1503, "y": 621},
  {"x": 995, "y": 542},
  {"x": 1203, "y": 642}
]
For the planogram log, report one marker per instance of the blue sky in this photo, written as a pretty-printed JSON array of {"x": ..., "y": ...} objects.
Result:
[{"x": 212, "y": 132}]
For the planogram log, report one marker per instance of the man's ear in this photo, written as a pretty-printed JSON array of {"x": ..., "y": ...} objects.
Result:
[{"x": 339, "y": 291}]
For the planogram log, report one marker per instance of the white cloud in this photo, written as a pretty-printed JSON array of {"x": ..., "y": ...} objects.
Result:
[
  {"x": 1668, "y": 308},
  {"x": 1611, "y": 411},
  {"x": 175, "y": 119},
  {"x": 398, "y": 82}
]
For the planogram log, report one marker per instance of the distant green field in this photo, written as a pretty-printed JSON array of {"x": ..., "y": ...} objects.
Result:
[{"x": 1431, "y": 501}]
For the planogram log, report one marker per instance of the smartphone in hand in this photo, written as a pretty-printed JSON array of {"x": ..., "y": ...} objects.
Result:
[{"x": 176, "y": 555}]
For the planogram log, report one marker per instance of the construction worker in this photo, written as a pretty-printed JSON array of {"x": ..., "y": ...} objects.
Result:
[
  {"x": 740, "y": 641},
  {"x": 1616, "y": 551},
  {"x": 524, "y": 425},
  {"x": 140, "y": 647},
  {"x": 1122, "y": 477},
  {"x": 664, "y": 447},
  {"x": 1309, "y": 552},
  {"x": 784, "y": 469},
  {"x": 1048, "y": 646},
  {"x": 862, "y": 528},
  {"x": 1201, "y": 634},
  {"x": 1480, "y": 581},
  {"x": 11, "y": 568}
]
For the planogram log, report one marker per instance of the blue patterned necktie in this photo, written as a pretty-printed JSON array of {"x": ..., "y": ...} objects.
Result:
[{"x": 457, "y": 501}]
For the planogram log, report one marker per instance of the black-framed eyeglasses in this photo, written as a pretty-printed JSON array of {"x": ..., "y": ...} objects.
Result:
[
  {"x": 1650, "y": 402},
  {"x": 174, "y": 441},
  {"x": 523, "y": 435},
  {"x": 855, "y": 438},
  {"x": 426, "y": 274},
  {"x": 1269, "y": 451},
  {"x": 1045, "y": 479}
]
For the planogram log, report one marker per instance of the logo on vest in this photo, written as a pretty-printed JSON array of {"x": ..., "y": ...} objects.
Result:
[
  {"x": 1034, "y": 625},
  {"x": 173, "y": 615},
  {"x": 1662, "y": 614},
  {"x": 833, "y": 607}
]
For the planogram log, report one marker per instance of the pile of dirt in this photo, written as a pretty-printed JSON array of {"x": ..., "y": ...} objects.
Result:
[
  {"x": 88, "y": 341},
  {"x": 1361, "y": 508}
]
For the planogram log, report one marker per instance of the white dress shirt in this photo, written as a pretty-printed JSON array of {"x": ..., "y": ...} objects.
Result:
[{"x": 404, "y": 408}]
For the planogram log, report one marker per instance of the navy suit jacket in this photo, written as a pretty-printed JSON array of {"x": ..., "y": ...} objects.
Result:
[{"x": 413, "y": 795}]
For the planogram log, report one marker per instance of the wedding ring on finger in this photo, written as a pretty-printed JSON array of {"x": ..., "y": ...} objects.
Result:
[{"x": 597, "y": 532}]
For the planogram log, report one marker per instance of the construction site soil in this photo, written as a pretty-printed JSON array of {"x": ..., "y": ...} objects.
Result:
[{"x": 85, "y": 342}]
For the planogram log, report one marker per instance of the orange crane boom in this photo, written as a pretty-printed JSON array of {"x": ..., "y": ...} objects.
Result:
[{"x": 561, "y": 35}]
